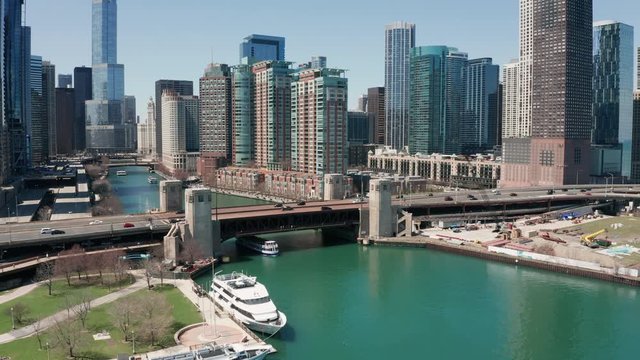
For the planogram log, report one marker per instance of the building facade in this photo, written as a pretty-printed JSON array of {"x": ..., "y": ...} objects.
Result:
[
  {"x": 147, "y": 133},
  {"x": 480, "y": 115},
  {"x": 613, "y": 91},
  {"x": 215, "y": 119},
  {"x": 635, "y": 153},
  {"x": 39, "y": 125},
  {"x": 104, "y": 122},
  {"x": 256, "y": 48},
  {"x": 178, "y": 115},
  {"x": 400, "y": 38},
  {"x": 375, "y": 106},
  {"x": 362, "y": 103},
  {"x": 180, "y": 87},
  {"x": 65, "y": 114},
  {"x": 130, "y": 123},
  {"x": 82, "y": 85},
  {"x": 243, "y": 144},
  {"x": 49, "y": 96},
  {"x": 319, "y": 122},
  {"x": 65, "y": 80}
]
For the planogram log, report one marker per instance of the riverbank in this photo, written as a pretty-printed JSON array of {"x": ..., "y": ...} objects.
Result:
[{"x": 479, "y": 251}]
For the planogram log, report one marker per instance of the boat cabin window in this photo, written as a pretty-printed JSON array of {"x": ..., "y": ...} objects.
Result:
[{"x": 257, "y": 301}]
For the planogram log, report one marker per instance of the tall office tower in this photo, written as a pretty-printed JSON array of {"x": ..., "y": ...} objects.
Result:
[
  {"x": 437, "y": 92},
  {"x": 65, "y": 115},
  {"x": 318, "y": 62},
  {"x": 215, "y": 119},
  {"x": 272, "y": 114},
  {"x": 105, "y": 128},
  {"x": 512, "y": 127},
  {"x": 400, "y": 38},
  {"x": 256, "y": 48},
  {"x": 39, "y": 126},
  {"x": 65, "y": 80},
  {"x": 130, "y": 120},
  {"x": 49, "y": 96},
  {"x": 498, "y": 103},
  {"x": 178, "y": 112},
  {"x": 612, "y": 97},
  {"x": 635, "y": 151},
  {"x": 192, "y": 123},
  {"x": 318, "y": 121},
  {"x": 558, "y": 149},
  {"x": 181, "y": 87},
  {"x": 360, "y": 132},
  {"x": 147, "y": 132},
  {"x": 375, "y": 106},
  {"x": 82, "y": 85},
  {"x": 362, "y": 103},
  {"x": 17, "y": 70},
  {"x": 480, "y": 114},
  {"x": 243, "y": 145}
]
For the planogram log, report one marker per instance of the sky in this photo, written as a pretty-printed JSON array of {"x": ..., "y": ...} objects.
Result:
[{"x": 169, "y": 39}]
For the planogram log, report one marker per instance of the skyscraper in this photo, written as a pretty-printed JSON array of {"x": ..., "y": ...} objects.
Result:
[
  {"x": 49, "y": 96},
  {"x": 319, "y": 121},
  {"x": 272, "y": 110},
  {"x": 635, "y": 153},
  {"x": 180, "y": 87},
  {"x": 39, "y": 126},
  {"x": 215, "y": 119},
  {"x": 65, "y": 114},
  {"x": 178, "y": 112},
  {"x": 399, "y": 39},
  {"x": 557, "y": 39},
  {"x": 362, "y": 102},
  {"x": 512, "y": 127},
  {"x": 318, "y": 62},
  {"x": 256, "y": 48},
  {"x": 82, "y": 85},
  {"x": 243, "y": 144},
  {"x": 130, "y": 120},
  {"x": 147, "y": 132},
  {"x": 480, "y": 114},
  {"x": 105, "y": 128},
  {"x": 375, "y": 106},
  {"x": 65, "y": 80},
  {"x": 612, "y": 94}
]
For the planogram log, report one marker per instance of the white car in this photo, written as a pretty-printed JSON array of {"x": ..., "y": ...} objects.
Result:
[
  {"x": 96, "y": 222},
  {"x": 46, "y": 231}
]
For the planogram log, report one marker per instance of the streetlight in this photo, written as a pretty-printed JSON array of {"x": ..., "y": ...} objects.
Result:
[
  {"x": 610, "y": 174},
  {"x": 48, "y": 354},
  {"x": 13, "y": 323},
  {"x": 133, "y": 338}
]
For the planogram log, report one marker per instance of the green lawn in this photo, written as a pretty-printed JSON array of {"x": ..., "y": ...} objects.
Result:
[
  {"x": 624, "y": 235},
  {"x": 40, "y": 304},
  {"x": 183, "y": 312}
]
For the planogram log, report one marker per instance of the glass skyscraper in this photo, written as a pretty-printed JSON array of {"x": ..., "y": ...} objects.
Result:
[
  {"x": 480, "y": 114},
  {"x": 613, "y": 88},
  {"x": 256, "y": 48},
  {"x": 400, "y": 38},
  {"x": 104, "y": 113}
]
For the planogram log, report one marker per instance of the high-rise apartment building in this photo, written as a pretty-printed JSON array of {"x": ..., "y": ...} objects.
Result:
[
  {"x": 243, "y": 145},
  {"x": 318, "y": 62},
  {"x": 612, "y": 95},
  {"x": 555, "y": 68},
  {"x": 65, "y": 115},
  {"x": 318, "y": 121},
  {"x": 177, "y": 119},
  {"x": 272, "y": 114},
  {"x": 39, "y": 125},
  {"x": 82, "y": 85},
  {"x": 635, "y": 152},
  {"x": 65, "y": 80},
  {"x": 512, "y": 127},
  {"x": 480, "y": 114},
  {"x": 49, "y": 96},
  {"x": 215, "y": 119},
  {"x": 180, "y": 87},
  {"x": 399, "y": 40},
  {"x": 256, "y": 48},
  {"x": 375, "y": 106},
  {"x": 105, "y": 127}
]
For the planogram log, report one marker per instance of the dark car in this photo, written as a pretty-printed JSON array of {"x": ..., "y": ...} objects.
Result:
[
  {"x": 57, "y": 232},
  {"x": 180, "y": 212},
  {"x": 448, "y": 198},
  {"x": 430, "y": 194},
  {"x": 550, "y": 192},
  {"x": 324, "y": 208},
  {"x": 278, "y": 205},
  {"x": 513, "y": 194},
  {"x": 128, "y": 225},
  {"x": 473, "y": 198},
  {"x": 302, "y": 202},
  {"x": 469, "y": 196},
  {"x": 583, "y": 190},
  {"x": 286, "y": 208}
]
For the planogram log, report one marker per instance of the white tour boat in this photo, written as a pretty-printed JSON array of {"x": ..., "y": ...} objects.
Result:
[
  {"x": 265, "y": 247},
  {"x": 223, "y": 352},
  {"x": 248, "y": 300},
  {"x": 121, "y": 173}
]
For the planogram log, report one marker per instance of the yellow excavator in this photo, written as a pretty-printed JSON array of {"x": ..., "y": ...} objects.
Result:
[{"x": 588, "y": 240}]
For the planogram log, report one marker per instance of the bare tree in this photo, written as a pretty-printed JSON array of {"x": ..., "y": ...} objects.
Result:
[
  {"x": 148, "y": 267},
  {"x": 37, "y": 327},
  {"x": 153, "y": 317},
  {"x": 63, "y": 267},
  {"x": 69, "y": 334},
  {"x": 82, "y": 307},
  {"x": 122, "y": 315},
  {"x": 191, "y": 251},
  {"x": 99, "y": 263},
  {"x": 45, "y": 273},
  {"x": 19, "y": 311}
]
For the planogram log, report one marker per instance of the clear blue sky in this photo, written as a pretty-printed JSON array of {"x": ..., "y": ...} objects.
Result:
[{"x": 175, "y": 39}]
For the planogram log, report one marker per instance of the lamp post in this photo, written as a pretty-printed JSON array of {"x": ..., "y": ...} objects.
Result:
[
  {"x": 133, "y": 340},
  {"x": 48, "y": 354},
  {"x": 610, "y": 174},
  {"x": 13, "y": 323}
]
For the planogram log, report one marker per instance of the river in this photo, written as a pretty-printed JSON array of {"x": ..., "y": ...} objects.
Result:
[{"x": 345, "y": 301}]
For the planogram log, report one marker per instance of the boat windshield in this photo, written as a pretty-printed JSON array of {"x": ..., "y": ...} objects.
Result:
[{"x": 262, "y": 300}]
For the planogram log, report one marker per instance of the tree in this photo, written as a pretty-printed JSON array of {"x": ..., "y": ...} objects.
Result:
[
  {"x": 153, "y": 318},
  {"x": 19, "y": 311},
  {"x": 68, "y": 333},
  {"x": 45, "y": 273},
  {"x": 37, "y": 327},
  {"x": 191, "y": 251},
  {"x": 148, "y": 267},
  {"x": 82, "y": 307},
  {"x": 121, "y": 314}
]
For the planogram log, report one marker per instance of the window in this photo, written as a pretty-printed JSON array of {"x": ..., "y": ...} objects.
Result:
[{"x": 577, "y": 156}]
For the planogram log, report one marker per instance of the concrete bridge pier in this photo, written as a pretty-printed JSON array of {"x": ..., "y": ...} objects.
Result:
[
  {"x": 170, "y": 195},
  {"x": 199, "y": 226}
]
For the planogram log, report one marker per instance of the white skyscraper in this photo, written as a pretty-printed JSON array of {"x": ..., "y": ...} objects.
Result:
[{"x": 511, "y": 125}]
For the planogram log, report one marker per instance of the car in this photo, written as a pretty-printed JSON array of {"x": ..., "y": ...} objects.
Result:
[
  {"x": 583, "y": 190},
  {"x": 128, "y": 225},
  {"x": 46, "y": 230},
  {"x": 286, "y": 208},
  {"x": 302, "y": 202},
  {"x": 497, "y": 192},
  {"x": 473, "y": 198},
  {"x": 470, "y": 196},
  {"x": 430, "y": 194},
  {"x": 513, "y": 194},
  {"x": 588, "y": 193},
  {"x": 550, "y": 192},
  {"x": 57, "y": 232},
  {"x": 180, "y": 211},
  {"x": 456, "y": 230},
  {"x": 325, "y": 208},
  {"x": 96, "y": 222},
  {"x": 278, "y": 205},
  {"x": 565, "y": 190},
  {"x": 358, "y": 200},
  {"x": 448, "y": 198}
]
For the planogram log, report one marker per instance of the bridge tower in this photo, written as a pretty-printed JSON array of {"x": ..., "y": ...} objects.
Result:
[
  {"x": 170, "y": 195},
  {"x": 333, "y": 187},
  {"x": 382, "y": 217},
  {"x": 199, "y": 226}
]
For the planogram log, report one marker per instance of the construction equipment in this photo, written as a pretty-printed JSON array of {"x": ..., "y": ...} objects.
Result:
[
  {"x": 588, "y": 240},
  {"x": 545, "y": 235}
]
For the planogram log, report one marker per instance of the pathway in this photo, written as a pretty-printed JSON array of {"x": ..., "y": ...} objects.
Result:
[{"x": 12, "y": 295}]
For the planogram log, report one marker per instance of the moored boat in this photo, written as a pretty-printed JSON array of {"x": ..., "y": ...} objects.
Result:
[
  {"x": 247, "y": 300},
  {"x": 121, "y": 173},
  {"x": 265, "y": 247},
  {"x": 152, "y": 180}
]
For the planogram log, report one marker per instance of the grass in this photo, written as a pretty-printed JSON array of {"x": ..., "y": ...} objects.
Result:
[
  {"x": 627, "y": 234},
  {"x": 40, "y": 304},
  {"x": 183, "y": 312}
]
